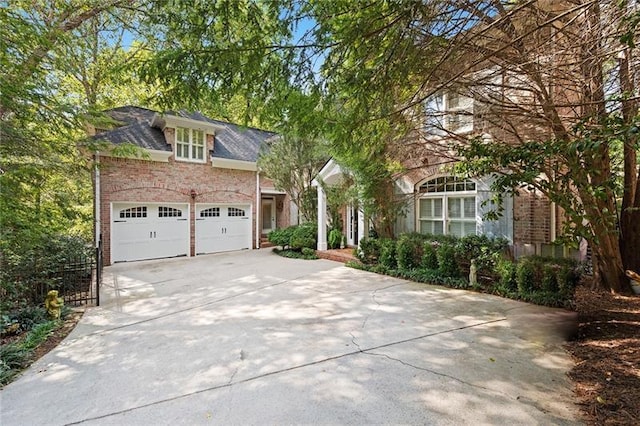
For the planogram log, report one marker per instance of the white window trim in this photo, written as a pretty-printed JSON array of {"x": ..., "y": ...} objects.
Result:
[
  {"x": 446, "y": 220},
  {"x": 466, "y": 105},
  {"x": 190, "y": 145},
  {"x": 445, "y": 196},
  {"x": 464, "y": 110}
]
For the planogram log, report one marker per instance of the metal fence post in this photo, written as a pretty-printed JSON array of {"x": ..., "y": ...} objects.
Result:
[{"x": 98, "y": 271}]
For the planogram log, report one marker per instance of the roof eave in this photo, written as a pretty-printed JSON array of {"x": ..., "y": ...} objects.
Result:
[{"x": 163, "y": 121}]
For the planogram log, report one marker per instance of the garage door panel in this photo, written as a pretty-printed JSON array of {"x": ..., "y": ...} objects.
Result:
[
  {"x": 222, "y": 228},
  {"x": 149, "y": 231}
]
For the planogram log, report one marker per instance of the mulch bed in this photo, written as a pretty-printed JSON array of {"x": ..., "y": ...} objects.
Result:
[
  {"x": 607, "y": 355},
  {"x": 54, "y": 339},
  {"x": 58, "y": 335}
]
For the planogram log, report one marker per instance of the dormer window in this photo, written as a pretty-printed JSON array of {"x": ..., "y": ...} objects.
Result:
[{"x": 190, "y": 144}]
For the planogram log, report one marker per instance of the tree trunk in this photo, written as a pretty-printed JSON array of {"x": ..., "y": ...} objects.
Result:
[
  {"x": 600, "y": 207},
  {"x": 606, "y": 250},
  {"x": 630, "y": 211}
]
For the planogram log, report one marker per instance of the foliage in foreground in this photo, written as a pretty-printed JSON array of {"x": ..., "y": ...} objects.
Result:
[
  {"x": 446, "y": 260},
  {"x": 16, "y": 356},
  {"x": 32, "y": 266}
]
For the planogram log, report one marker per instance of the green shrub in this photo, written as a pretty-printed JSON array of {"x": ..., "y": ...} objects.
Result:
[
  {"x": 429, "y": 256},
  {"x": 295, "y": 237},
  {"x": 305, "y": 235},
  {"x": 447, "y": 265},
  {"x": 506, "y": 271},
  {"x": 368, "y": 250},
  {"x": 549, "y": 281},
  {"x": 32, "y": 263},
  {"x": 306, "y": 253},
  {"x": 309, "y": 253},
  {"x": 440, "y": 239},
  {"x": 485, "y": 250},
  {"x": 335, "y": 238},
  {"x": 526, "y": 276},
  {"x": 30, "y": 316},
  {"x": 281, "y": 237},
  {"x": 409, "y": 251},
  {"x": 567, "y": 279},
  {"x": 388, "y": 254}
]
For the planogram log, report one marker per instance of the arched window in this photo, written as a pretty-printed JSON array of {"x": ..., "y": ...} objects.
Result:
[
  {"x": 447, "y": 205},
  {"x": 235, "y": 212},
  {"x": 169, "y": 212},
  {"x": 210, "y": 212},
  {"x": 133, "y": 212}
]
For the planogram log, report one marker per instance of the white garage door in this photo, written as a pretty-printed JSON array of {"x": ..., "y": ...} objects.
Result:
[
  {"x": 149, "y": 231},
  {"x": 222, "y": 227}
]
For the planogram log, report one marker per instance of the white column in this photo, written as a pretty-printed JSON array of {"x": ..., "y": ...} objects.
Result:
[
  {"x": 362, "y": 230},
  {"x": 322, "y": 219},
  {"x": 258, "y": 210}
]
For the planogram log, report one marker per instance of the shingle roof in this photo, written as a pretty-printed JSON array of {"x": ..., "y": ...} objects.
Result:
[
  {"x": 232, "y": 142},
  {"x": 136, "y": 129}
]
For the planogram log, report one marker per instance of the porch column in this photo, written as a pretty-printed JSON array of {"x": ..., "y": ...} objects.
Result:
[
  {"x": 322, "y": 219},
  {"x": 362, "y": 230}
]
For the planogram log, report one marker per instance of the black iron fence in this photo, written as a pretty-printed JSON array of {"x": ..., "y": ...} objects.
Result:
[{"x": 77, "y": 280}]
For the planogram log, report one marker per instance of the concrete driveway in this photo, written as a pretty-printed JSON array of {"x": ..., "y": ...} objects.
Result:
[{"x": 252, "y": 338}]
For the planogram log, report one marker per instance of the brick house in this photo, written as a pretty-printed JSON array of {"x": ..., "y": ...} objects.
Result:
[
  {"x": 490, "y": 85},
  {"x": 192, "y": 188},
  {"x": 438, "y": 202}
]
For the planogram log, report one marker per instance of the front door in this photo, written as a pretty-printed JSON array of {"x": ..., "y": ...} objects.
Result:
[
  {"x": 352, "y": 225},
  {"x": 268, "y": 215}
]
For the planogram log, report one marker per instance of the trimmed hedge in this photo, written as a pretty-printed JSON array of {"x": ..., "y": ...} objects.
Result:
[
  {"x": 446, "y": 260},
  {"x": 388, "y": 254}
]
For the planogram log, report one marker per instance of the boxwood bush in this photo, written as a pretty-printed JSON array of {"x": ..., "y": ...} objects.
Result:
[
  {"x": 429, "y": 256},
  {"x": 445, "y": 260},
  {"x": 447, "y": 264},
  {"x": 409, "y": 250},
  {"x": 388, "y": 257},
  {"x": 368, "y": 251}
]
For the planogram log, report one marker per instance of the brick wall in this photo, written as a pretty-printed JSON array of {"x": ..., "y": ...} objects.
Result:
[
  {"x": 127, "y": 180},
  {"x": 532, "y": 218}
]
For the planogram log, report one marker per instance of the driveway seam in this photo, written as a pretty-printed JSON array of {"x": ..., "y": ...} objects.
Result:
[
  {"x": 366, "y": 351},
  {"x": 190, "y": 308}
]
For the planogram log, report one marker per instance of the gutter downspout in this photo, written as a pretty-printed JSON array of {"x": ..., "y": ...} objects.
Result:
[{"x": 258, "y": 209}]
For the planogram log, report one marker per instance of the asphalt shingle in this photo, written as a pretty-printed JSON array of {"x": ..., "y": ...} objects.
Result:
[{"x": 232, "y": 142}]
